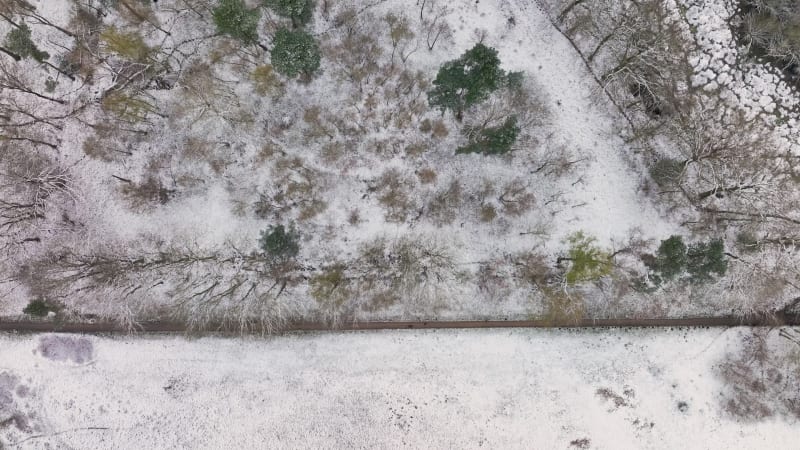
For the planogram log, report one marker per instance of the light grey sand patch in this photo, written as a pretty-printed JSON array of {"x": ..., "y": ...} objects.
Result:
[{"x": 78, "y": 350}]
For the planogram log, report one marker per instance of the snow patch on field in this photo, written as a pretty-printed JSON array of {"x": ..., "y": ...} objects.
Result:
[{"x": 614, "y": 389}]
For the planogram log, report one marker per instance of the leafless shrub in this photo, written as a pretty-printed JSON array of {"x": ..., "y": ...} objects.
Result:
[
  {"x": 393, "y": 190},
  {"x": 203, "y": 94},
  {"x": 226, "y": 289},
  {"x": 439, "y": 129},
  {"x": 562, "y": 307},
  {"x": 78, "y": 350},
  {"x": 403, "y": 43},
  {"x": 317, "y": 126},
  {"x": 417, "y": 148},
  {"x": 354, "y": 218},
  {"x": 581, "y": 443},
  {"x": 417, "y": 270},
  {"x": 487, "y": 213},
  {"x": 515, "y": 198},
  {"x": 494, "y": 280},
  {"x": 426, "y": 176},
  {"x": 445, "y": 204},
  {"x": 31, "y": 188},
  {"x": 333, "y": 290},
  {"x": 355, "y": 53},
  {"x": 381, "y": 300},
  {"x": 617, "y": 400},
  {"x": 267, "y": 151},
  {"x": 96, "y": 149},
  {"x": 81, "y": 59},
  {"x": 266, "y": 81},
  {"x": 557, "y": 161},
  {"x": 150, "y": 191},
  {"x": 295, "y": 186},
  {"x": 433, "y": 22},
  {"x": 762, "y": 377},
  {"x": 533, "y": 270}
]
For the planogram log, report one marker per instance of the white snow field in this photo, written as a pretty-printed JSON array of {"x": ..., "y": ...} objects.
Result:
[{"x": 532, "y": 389}]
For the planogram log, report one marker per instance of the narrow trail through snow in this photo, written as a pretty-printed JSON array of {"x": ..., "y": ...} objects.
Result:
[{"x": 584, "y": 118}]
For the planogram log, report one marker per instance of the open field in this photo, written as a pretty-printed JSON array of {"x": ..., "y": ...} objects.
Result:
[{"x": 598, "y": 389}]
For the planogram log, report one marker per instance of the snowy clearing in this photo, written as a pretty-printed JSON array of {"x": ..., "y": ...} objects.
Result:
[{"x": 602, "y": 389}]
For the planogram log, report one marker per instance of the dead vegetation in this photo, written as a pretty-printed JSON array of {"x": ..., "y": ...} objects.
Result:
[{"x": 762, "y": 376}]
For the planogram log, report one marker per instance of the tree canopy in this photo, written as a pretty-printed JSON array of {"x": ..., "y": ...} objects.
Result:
[
  {"x": 19, "y": 41},
  {"x": 234, "y": 19},
  {"x": 294, "y": 53},
  {"x": 671, "y": 257},
  {"x": 589, "y": 262},
  {"x": 705, "y": 258},
  {"x": 467, "y": 80},
  {"x": 279, "y": 244},
  {"x": 700, "y": 260},
  {"x": 297, "y": 10},
  {"x": 493, "y": 140}
]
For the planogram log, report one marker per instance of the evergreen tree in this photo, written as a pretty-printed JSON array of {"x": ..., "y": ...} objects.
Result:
[
  {"x": 234, "y": 19},
  {"x": 493, "y": 140},
  {"x": 467, "y": 80},
  {"x": 705, "y": 258},
  {"x": 19, "y": 41},
  {"x": 38, "y": 308},
  {"x": 671, "y": 258},
  {"x": 297, "y": 10},
  {"x": 700, "y": 260},
  {"x": 514, "y": 80},
  {"x": 279, "y": 244},
  {"x": 294, "y": 53}
]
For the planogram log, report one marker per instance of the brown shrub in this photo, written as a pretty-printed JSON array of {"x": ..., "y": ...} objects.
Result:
[
  {"x": 516, "y": 199},
  {"x": 416, "y": 148},
  {"x": 426, "y": 176},
  {"x": 332, "y": 152},
  {"x": 426, "y": 126},
  {"x": 147, "y": 192},
  {"x": 445, "y": 204},
  {"x": 440, "y": 130},
  {"x": 394, "y": 195},
  {"x": 487, "y": 213},
  {"x": 353, "y": 218},
  {"x": 762, "y": 377}
]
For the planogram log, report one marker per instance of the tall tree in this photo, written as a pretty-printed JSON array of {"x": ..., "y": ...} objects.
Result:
[
  {"x": 294, "y": 53},
  {"x": 299, "y": 11},
  {"x": 279, "y": 244},
  {"x": 467, "y": 80},
  {"x": 234, "y": 19}
]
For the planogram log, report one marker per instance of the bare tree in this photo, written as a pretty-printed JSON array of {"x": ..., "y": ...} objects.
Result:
[{"x": 215, "y": 288}]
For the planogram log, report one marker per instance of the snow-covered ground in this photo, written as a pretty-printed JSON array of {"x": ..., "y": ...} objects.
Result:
[
  {"x": 341, "y": 158},
  {"x": 612, "y": 389},
  {"x": 600, "y": 195}
]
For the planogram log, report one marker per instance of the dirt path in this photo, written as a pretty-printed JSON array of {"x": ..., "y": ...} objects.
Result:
[{"x": 30, "y": 326}]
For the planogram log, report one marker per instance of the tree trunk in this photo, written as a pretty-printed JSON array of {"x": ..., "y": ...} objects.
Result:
[{"x": 10, "y": 53}]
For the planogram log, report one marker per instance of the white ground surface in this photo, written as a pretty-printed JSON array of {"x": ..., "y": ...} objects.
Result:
[{"x": 459, "y": 389}]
